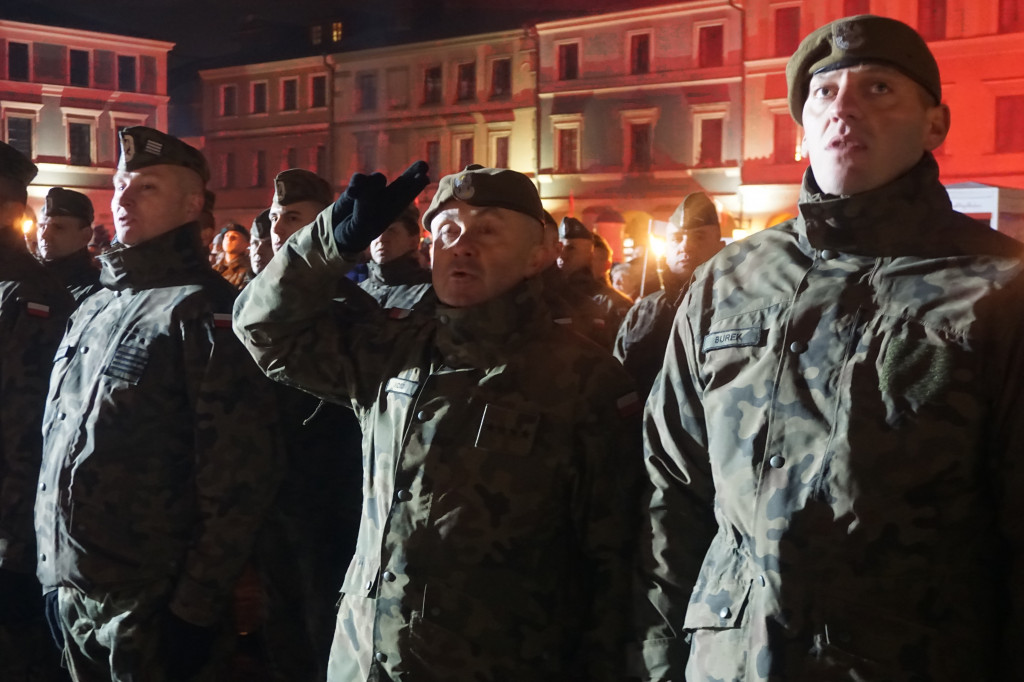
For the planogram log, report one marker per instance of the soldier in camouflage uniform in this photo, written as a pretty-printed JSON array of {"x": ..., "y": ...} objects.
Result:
[
  {"x": 311, "y": 534},
  {"x": 65, "y": 230},
  {"x": 260, "y": 248},
  {"x": 33, "y": 308},
  {"x": 397, "y": 280},
  {"x": 500, "y": 450},
  {"x": 233, "y": 263},
  {"x": 579, "y": 283},
  {"x": 158, "y": 455},
  {"x": 693, "y": 236},
  {"x": 841, "y": 413}
]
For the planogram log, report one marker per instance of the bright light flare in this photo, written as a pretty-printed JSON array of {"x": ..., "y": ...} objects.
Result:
[
  {"x": 26, "y": 225},
  {"x": 658, "y": 246}
]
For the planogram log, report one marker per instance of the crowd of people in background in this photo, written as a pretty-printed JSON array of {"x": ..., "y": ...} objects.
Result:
[{"x": 355, "y": 440}]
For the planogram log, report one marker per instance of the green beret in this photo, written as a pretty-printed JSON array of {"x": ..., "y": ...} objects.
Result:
[
  {"x": 15, "y": 165},
  {"x": 479, "y": 186},
  {"x": 234, "y": 227},
  {"x": 696, "y": 210},
  {"x": 571, "y": 228},
  {"x": 261, "y": 225},
  {"x": 142, "y": 147},
  {"x": 856, "y": 40},
  {"x": 296, "y": 184},
  {"x": 60, "y": 201}
]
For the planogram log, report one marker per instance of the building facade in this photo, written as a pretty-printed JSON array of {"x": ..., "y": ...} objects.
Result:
[
  {"x": 451, "y": 102},
  {"x": 260, "y": 119},
  {"x": 65, "y": 94}
]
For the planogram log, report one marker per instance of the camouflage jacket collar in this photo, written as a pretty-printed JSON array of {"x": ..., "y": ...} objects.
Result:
[
  {"x": 480, "y": 336},
  {"x": 157, "y": 262},
  {"x": 897, "y": 219},
  {"x": 403, "y": 270}
]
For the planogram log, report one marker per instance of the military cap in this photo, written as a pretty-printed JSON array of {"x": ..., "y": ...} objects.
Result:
[
  {"x": 571, "y": 228},
  {"x": 696, "y": 210},
  {"x": 234, "y": 227},
  {"x": 142, "y": 147},
  {"x": 297, "y": 184},
  {"x": 15, "y": 165},
  {"x": 479, "y": 186},
  {"x": 60, "y": 201},
  {"x": 261, "y": 225},
  {"x": 857, "y": 40}
]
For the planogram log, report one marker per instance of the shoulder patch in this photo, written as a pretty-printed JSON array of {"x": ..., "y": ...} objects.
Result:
[
  {"x": 37, "y": 309},
  {"x": 222, "y": 320},
  {"x": 732, "y": 338}
]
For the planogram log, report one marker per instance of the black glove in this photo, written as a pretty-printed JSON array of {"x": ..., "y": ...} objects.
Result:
[
  {"x": 51, "y": 611},
  {"x": 366, "y": 208},
  {"x": 186, "y": 647},
  {"x": 20, "y": 597}
]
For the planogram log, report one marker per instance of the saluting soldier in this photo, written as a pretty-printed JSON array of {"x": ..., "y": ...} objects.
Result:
[{"x": 500, "y": 450}]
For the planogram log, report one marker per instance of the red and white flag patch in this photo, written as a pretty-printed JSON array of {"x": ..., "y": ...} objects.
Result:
[
  {"x": 222, "y": 320},
  {"x": 37, "y": 309}
]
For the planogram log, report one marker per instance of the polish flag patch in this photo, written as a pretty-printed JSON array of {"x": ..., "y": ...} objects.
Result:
[
  {"x": 629, "y": 404},
  {"x": 222, "y": 320},
  {"x": 37, "y": 309}
]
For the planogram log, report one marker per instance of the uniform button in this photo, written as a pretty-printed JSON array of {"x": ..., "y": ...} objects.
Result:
[
  {"x": 381, "y": 657},
  {"x": 423, "y": 416},
  {"x": 83, "y": 350},
  {"x": 42, "y": 557},
  {"x": 443, "y": 319},
  {"x": 798, "y": 346},
  {"x": 763, "y": 581},
  {"x": 61, "y": 416},
  {"x": 403, "y": 495},
  {"x": 777, "y": 462},
  {"x": 369, "y": 584},
  {"x": 388, "y": 576},
  {"x": 725, "y": 612},
  {"x": 42, "y": 486},
  {"x": 828, "y": 254}
]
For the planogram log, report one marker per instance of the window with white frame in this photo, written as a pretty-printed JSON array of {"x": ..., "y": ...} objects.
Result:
[
  {"x": 366, "y": 91},
  {"x": 290, "y": 94},
  {"x": 463, "y": 151},
  {"x": 17, "y": 61},
  {"x": 567, "y": 135},
  {"x": 258, "y": 97},
  {"x": 19, "y": 133},
  {"x": 710, "y": 45},
  {"x": 318, "y": 91},
  {"x": 640, "y": 53},
  {"x": 80, "y": 127},
  {"x": 466, "y": 82},
  {"x": 78, "y": 68},
  {"x": 709, "y": 134},
  {"x": 638, "y": 139},
  {"x": 498, "y": 147},
  {"x": 228, "y": 100},
  {"x": 501, "y": 78},
  {"x": 568, "y": 60},
  {"x": 127, "y": 78}
]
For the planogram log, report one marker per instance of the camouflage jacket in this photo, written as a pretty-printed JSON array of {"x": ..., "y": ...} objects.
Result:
[
  {"x": 158, "y": 455},
  {"x": 33, "y": 309},
  {"x": 835, "y": 449},
  {"x": 581, "y": 289},
  {"x": 238, "y": 272},
  {"x": 77, "y": 272},
  {"x": 398, "y": 284},
  {"x": 643, "y": 334},
  {"x": 500, "y": 475}
]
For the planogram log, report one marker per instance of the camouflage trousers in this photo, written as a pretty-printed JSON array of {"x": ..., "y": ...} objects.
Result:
[{"x": 116, "y": 638}]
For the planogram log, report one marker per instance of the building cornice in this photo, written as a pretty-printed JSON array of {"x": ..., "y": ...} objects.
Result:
[{"x": 16, "y": 30}]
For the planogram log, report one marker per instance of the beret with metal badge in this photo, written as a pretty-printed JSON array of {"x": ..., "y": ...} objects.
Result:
[
  {"x": 142, "y": 147},
  {"x": 695, "y": 210},
  {"x": 857, "y": 40},
  {"x": 298, "y": 184},
  {"x": 571, "y": 228},
  {"x": 479, "y": 186}
]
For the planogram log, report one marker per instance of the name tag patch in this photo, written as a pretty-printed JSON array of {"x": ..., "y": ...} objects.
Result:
[
  {"x": 732, "y": 338},
  {"x": 400, "y": 385}
]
